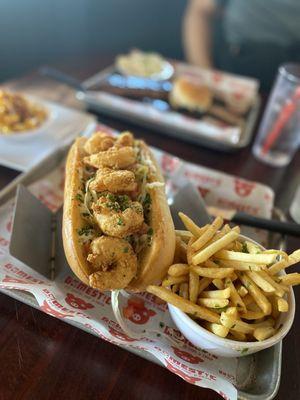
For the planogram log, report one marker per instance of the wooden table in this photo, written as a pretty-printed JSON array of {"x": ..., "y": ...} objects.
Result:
[{"x": 44, "y": 358}]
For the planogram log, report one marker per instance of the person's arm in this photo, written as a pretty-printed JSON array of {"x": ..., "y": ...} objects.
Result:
[{"x": 197, "y": 40}]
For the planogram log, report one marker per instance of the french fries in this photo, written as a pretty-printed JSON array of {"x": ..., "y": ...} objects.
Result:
[
  {"x": 185, "y": 305},
  {"x": 217, "y": 329},
  {"x": 231, "y": 287},
  {"x": 213, "y": 303},
  {"x": 257, "y": 294},
  {"x": 242, "y": 266},
  {"x": 261, "y": 282},
  {"x": 172, "y": 280},
  {"x": 283, "y": 305},
  {"x": 208, "y": 234},
  {"x": 191, "y": 226},
  {"x": 193, "y": 286},
  {"x": 216, "y": 294},
  {"x": 178, "y": 269},
  {"x": 213, "y": 248},
  {"x": 212, "y": 272},
  {"x": 263, "y": 333},
  {"x": 246, "y": 257},
  {"x": 184, "y": 290},
  {"x": 203, "y": 284},
  {"x": 218, "y": 283},
  {"x": 234, "y": 296},
  {"x": 290, "y": 279}
]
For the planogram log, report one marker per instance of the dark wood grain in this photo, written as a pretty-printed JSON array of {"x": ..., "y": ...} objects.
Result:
[{"x": 44, "y": 358}]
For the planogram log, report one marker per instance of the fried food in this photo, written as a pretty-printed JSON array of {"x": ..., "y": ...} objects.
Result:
[
  {"x": 114, "y": 260},
  {"x": 17, "y": 114},
  {"x": 115, "y": 158},
  {"x": 117, "y": 228},
  {"x": 118, "y": 216},
  {"x": 241, "y": 285},
  {"x": 114, "y": 181}
]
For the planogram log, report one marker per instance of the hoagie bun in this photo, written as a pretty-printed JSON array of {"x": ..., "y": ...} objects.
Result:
[{"x": 117, "y": 229}]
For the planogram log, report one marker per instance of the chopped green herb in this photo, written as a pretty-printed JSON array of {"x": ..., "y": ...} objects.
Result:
[
  {"x": 221, "y": 308},
  {"x": 161, "y": 324},
  {"x": 79, "y": 197},
  {"x": 158, "y": 334},
  {"x": 150, "y": 231},
  {"x": 86, "y": 230},
  {"x": 244, "y": 350},
  {"x": 147, "y": 204},
  {"x": 244, "y": 248},
  {"x": 111, "y": 197},
  {"x": 126, "y": 249},
  {"x": 117, "y": 202},
  {"x": 120, "y": 221}
]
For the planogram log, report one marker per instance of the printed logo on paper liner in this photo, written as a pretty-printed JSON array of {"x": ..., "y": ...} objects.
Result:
[
  {"x": 77, "y": 302},
  {"x": 10, "y": 279},
  {"x": 186, "y": 356},
  {"x": 191, "y": 375},
  {"x": 116, "y": 331},
  {"x": 3, "y": 242},
  {"x": 120, "y": 335},
  {"x": 243, "y": 188},
  {"x": 186, "y": 376},
  {"x": 9, "y": 224},
  {"x": 51, "y": 311},
  {"x": 203, "y": 191},
  {"x": 137, "y": 312}
]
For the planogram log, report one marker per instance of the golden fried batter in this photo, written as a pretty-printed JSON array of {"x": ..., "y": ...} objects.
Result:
[
  {"x": 115, "y": 263},
  {"x": 116, "y": 158},
  {"x": 114, "y": 181},
  {"x": 125, "y": 139},
  {"x": 99, "y": 141},
  {"x": 118, "y": 219}
]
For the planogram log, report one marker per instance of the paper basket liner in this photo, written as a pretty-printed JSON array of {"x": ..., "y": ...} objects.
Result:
[{"x": 69, "y": 299}]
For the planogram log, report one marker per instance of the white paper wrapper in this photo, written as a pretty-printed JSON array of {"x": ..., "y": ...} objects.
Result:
[{"x": 69, "y": 299}]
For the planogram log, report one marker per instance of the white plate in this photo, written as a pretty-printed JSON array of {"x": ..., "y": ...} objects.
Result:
[
  {"x": 64, "y": 125},
  {"x": 31, "y": 134}
]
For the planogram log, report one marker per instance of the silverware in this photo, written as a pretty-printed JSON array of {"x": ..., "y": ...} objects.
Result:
[{"x": 285, "y": 228}]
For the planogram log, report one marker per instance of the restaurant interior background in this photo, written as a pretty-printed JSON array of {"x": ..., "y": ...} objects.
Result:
[{"x": 33, "y": 33}]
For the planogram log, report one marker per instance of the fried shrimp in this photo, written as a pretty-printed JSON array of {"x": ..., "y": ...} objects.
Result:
[
  {"x": 125, "y": 139},
  {"x": 116, "y": 158},
  {"x": 114, "y": 181},
  {"x": 99, "y": 141},
  {"x": 118, "y": 216},
  {"x": 114, "y": 261}
]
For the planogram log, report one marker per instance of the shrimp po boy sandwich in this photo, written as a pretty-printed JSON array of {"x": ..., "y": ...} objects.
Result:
[{"x": 117, "y": 229}]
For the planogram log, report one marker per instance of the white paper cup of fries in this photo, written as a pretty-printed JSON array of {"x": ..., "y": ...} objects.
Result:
[
  {"x": 206, "y": 340},
  {"x": 226, "y": 293}
]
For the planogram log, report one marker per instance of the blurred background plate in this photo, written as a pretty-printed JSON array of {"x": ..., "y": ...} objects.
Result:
[{"x": 23, "y": 151}]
